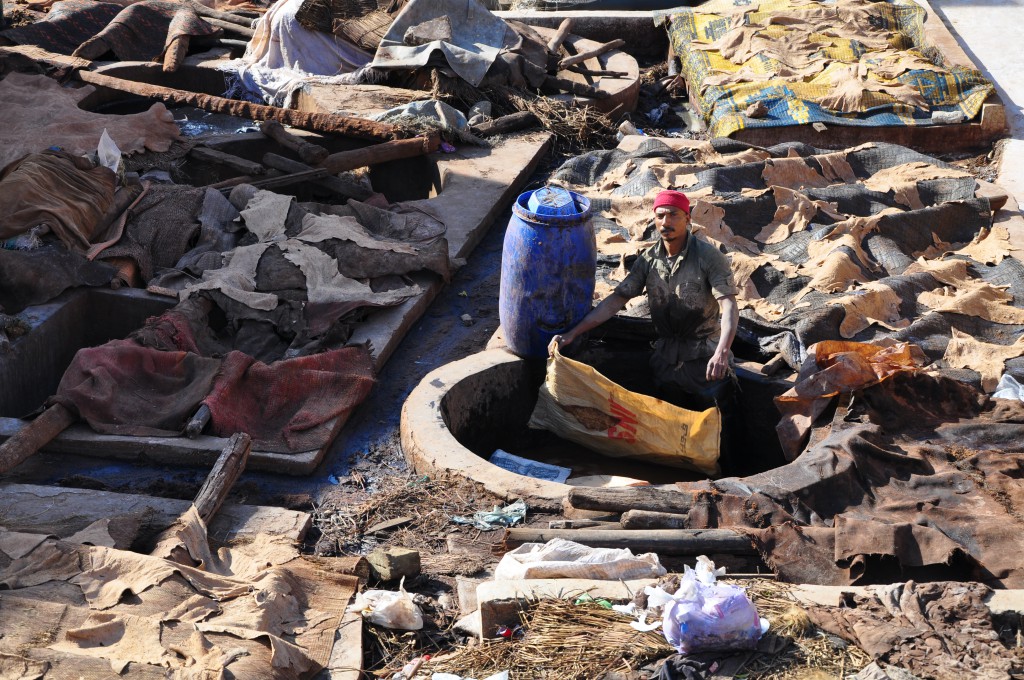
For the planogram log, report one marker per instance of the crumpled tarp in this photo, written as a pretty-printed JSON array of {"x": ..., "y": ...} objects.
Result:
[
  {"x": 39, "y": 113},
  {"x": 933, "y": 630},
  {"x": 852, "y": 62},
  {"x": 476, "y": 38},
  {"x": 254, "y": 610},
  {"x": 291, "y": 405}
]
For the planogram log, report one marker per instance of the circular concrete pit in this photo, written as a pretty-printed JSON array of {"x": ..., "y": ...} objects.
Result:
[{"x": 462, "y": 412}]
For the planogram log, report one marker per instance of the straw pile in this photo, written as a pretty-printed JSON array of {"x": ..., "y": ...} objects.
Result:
[{"x": 561, "y": 640}]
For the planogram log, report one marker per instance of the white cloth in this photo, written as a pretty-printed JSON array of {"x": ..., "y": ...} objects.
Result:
[
  {"x": 559, "y": 558},
  {"x": 1008, "y": 388},
  {"x": 283, "y": 55}
]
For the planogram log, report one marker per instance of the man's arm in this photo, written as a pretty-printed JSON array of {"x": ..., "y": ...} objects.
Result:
[
  {"x": 719, "y": 363},
  {"x": 607, "y": 308}
]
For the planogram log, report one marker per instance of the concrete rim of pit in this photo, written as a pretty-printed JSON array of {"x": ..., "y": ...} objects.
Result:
[{"x": 431, "y": 448}]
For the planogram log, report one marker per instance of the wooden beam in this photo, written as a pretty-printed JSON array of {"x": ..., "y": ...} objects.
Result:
[
  {"x": 648, "y": 519},
  {"x": 342, "y": 187},
  {"x": 555, "y": 44},
  {"x": 308, "y": 152},
  {"x": 37, "y": 434},
  {"x": 359, "y": 128},
  {"x": 626, "y": 498},
  {"x": 242, "y": 165},
  {"x": 223, "y": 476},
  {"x": 590, "y": 54},
  {"x": 381, "y": 153},
  {"x": 513, "y": 122}
]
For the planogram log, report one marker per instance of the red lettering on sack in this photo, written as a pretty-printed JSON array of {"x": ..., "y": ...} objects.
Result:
[{"x": 625, "y": 428}]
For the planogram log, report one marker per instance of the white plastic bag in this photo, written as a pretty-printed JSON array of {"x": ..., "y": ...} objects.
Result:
[
  {"x": 1008, "y": 388},
  {"x": 388, "y": 608},
  {"x": 704, "y": 615},
  {"x": 107, "y": 152},
  {"x": 559, "y": 558}
]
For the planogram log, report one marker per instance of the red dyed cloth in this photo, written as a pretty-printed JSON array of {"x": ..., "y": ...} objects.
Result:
[
  {"x": 124, "y": 388},
  {"x": 287, "y": 406},
  {"x": 290, "y": 405}
]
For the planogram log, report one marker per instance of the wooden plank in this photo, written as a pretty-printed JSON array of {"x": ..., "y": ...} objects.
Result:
[
  {"x": 347, "y": 656},
  {"x": 622, "y": 499},
  {"x": 64, "y": 512},
  {"x": 223, "y": 476},
  {"x": 203, "y": 450}
]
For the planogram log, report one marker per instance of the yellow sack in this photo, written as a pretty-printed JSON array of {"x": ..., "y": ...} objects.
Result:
[{"x": 579, "y": 404}]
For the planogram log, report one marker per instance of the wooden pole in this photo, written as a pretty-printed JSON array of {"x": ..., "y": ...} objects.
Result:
[
  {"x": 590, "y": 54},
  {"x": 337, "y": 185},
  {"x": 664, "y": 541},
  {"x": 381, "y": 153},
  {"x": 223, "y": 476},
  {"x": 242, "y": 165},
  {"x": 34, "y": 436},
  {"x": 175, "y": 53},
  {"x": 560, "y": 35},
  {"x": 360, "y": 128},
  {"x": 631, "y": 498},
  {"x": 648, "y": 519},
  {"x": 308, "y": 152},
  {"x": 510, "y": 123}
]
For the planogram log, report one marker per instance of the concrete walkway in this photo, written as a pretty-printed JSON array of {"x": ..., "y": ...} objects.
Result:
[{"x": 989, "y": 31}]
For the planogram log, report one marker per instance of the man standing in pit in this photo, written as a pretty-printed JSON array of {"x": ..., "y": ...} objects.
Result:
[{"x": 692, "y": 297}]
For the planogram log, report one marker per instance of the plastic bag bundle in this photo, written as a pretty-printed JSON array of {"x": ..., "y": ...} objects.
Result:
[
  {"x": 704, "y": 615},
  {"x": 388, "y": 608}
]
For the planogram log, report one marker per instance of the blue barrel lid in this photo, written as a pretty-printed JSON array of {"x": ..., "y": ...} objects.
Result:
[{"x": 551, "y": 200}]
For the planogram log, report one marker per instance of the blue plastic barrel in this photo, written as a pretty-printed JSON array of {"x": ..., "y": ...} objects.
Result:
[{"x": 548, "y": 264}]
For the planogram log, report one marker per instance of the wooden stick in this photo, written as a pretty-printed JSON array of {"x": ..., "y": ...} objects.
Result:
[
  {"x": 590, "y": 54},
  {"x": 34, "y": 436},
  {"x": 337, "y": 185},
  {"x": 556, "y": 41},
  {"x": 360, "y": 128},
  {"x": 198, "y": 422},
  {"x": 631, "y": 498},
  {"x": 519, "y": 120},
  {"x": 175, "y": 53},
  {"x": 231, "y": 27},
  {"x": 648, "y": 519},
  {"x": 582, "y": 524},
  {"x": 664, "y": 541},
  {"x": 572, "y": 87},
  {"x": 223, "y": 476},
  {"x": 308, "y": 152},
  {"x": 280, "y": 180},
  {"x": 381, "y": 153},
  {"x": 210, "y": 13},
  {"x": 599, "y": 73},
  {"x": 242, "y": 165}
]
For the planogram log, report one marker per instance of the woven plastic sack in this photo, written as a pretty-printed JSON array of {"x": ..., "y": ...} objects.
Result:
[{"x": 579, "y": 404}]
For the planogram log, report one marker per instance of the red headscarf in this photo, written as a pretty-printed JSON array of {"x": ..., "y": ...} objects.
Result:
[{"x": 676, "y": 199}]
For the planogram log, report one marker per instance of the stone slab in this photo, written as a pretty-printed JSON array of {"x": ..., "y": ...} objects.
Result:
[{"x": 64, "y": 511}]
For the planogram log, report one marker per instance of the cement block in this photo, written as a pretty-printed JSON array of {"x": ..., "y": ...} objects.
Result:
[
  {"x": 391, "y": 564},
  {"x": 500, "y": 602}
]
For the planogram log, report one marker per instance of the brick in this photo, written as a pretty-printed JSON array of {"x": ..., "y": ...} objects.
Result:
[{"x": 391, "y": 564}]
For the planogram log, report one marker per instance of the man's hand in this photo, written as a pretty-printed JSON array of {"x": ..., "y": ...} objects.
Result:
[
  {"x": 558, "y": 342},
  {"x": 718, "y": 365}
]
